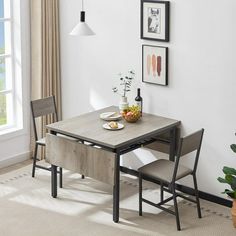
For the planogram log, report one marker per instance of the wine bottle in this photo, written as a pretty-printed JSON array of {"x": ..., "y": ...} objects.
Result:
[{"x": 139, "y": 101}]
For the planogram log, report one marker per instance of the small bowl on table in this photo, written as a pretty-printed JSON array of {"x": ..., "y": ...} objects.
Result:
[{"x": 132, "y": 117}]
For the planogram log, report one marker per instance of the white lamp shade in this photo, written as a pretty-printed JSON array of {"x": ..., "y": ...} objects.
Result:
[{"x": 82, "y": 29}]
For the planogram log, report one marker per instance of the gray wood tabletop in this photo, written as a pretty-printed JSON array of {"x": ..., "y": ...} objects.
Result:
[{"x": 88, "y": 127}]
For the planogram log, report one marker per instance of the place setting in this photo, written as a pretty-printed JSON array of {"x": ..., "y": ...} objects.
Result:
[{"x": 131, "y": 115}]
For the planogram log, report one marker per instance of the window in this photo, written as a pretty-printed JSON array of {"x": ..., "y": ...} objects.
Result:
[{"x": 7, "y": 116}]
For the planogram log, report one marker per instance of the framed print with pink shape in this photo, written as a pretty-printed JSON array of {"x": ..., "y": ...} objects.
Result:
[{"x": 155, "y": 65}]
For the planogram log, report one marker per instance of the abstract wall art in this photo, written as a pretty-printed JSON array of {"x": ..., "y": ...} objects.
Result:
[
  {"x": 155, "y": 20},
  {"x": 155, "y": 64}
]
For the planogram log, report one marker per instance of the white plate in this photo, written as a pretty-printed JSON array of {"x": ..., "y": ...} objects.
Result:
[
  {"x": 109, "y": 116},
  {"x": 120, "y": 126}
]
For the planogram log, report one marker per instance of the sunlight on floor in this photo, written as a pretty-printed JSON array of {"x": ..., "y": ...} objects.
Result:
[
  {"x": 84, "y": 207},
  {"x": 5, "y": 190},
  {"x": 62, "y": 206}
]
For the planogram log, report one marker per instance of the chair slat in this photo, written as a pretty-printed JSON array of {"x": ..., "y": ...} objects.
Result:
[
  {"x": 191, "y": 142},
  {"x": 42, "y": 107}
]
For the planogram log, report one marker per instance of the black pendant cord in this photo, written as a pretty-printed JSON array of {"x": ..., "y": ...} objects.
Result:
[{"x": 82, "y": 13}]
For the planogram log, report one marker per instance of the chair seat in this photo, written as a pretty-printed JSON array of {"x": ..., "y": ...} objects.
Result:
[
  {"x": 41, "y": 141},
  {"x": 163, "y": 170}
]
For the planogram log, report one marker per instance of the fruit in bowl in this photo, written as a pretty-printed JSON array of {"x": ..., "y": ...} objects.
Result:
[{"x": 132, "y": 114}]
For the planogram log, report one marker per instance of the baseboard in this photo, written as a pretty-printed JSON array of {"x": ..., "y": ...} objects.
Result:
[
  {"x": 206, "y": 196},
  {"x": 203, "y": 195},
  {"x": 14, "y": 159}
]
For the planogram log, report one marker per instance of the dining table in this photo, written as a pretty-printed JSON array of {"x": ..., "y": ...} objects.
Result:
[{"x": 95, "y": 152}]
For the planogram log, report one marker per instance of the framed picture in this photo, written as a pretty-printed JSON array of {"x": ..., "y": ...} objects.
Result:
[
  {"x": 155, "y": 64},
  {"x": 155, "y": 20}
]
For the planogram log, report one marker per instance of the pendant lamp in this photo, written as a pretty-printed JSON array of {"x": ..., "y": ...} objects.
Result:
[{"x": 82, "y": 28}]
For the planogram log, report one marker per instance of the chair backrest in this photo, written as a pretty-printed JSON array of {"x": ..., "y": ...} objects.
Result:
[
  {"x": 187, "y": 145},
  {"x": 191, "y": 142},
  {"x": 43, "y": 107}
]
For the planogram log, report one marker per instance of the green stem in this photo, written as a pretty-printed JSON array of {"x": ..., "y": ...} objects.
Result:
[{"x": 125, "y": 89}]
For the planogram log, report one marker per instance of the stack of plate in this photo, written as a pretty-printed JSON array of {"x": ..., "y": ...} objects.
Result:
[{"x": 109, "y": 116}]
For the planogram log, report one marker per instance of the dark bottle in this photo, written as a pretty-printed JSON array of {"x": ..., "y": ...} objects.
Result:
[{"x": 139, "y": 100}]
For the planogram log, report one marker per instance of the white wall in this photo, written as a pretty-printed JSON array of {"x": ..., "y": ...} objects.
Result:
[
  {"x": 14, "y": 147},
  {"x": 201, "y": 91}
]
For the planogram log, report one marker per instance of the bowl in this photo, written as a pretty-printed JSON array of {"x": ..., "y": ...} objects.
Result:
[{"x": 132, "y": 118}]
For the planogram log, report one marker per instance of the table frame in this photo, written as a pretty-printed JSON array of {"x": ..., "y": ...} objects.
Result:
[{"x": 120, "y": 151}]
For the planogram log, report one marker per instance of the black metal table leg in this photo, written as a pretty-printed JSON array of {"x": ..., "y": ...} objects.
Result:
[
  {"x": 54, "y": 181},
  {"x": 140, "y": 195},
  {"x": 34, "y": 159},
  {"x": 60, "y": 176},
  {"x": 172, "y": 144},
  {"x": 116, "y": 189}
]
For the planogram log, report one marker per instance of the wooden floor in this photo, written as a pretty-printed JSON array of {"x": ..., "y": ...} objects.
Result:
[{"x": 15, "y": 166}]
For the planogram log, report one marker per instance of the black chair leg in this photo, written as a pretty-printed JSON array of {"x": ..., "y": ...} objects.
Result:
[
  {"x": 176, "y": 208},
  {"x": 162, "y": 192},
  {"x": 197, "y": 196},
  {"x": 34, "y": 159},
  {"x": 60, "y": 174},
  {"x": 82, "y": 176},
  {"x": 140, "y": 195}
]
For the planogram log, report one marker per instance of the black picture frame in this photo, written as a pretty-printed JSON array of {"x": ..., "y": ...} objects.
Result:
[
  {"x": 155, "y": 65},
  {"x": 155, "y": 17}
]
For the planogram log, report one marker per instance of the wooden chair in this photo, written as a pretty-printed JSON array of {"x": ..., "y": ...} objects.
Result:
[
  {"x": 40, "y": 108},
  {"x": 167, "y": 173}
]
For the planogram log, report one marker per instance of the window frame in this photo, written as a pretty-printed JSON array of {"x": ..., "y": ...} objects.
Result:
[{"x": 5, "y": 56}]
